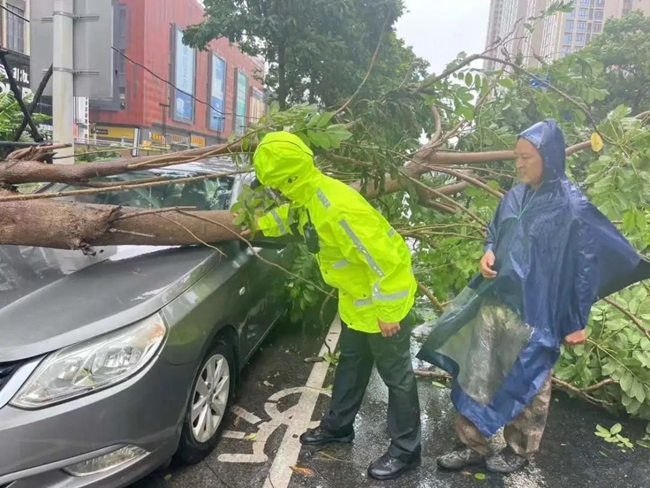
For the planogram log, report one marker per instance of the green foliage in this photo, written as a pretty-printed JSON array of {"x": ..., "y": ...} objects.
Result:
[
  {"x": 11, "y": 116},
  {"x": 301, "y": 294},
  {"x": 372, "y": 143},
  {"x": 624, "y": 50},
  {"x": 613, "y": 436},
  {"x": 618, "y": 350},
  {"x": 307, "y": 45}
]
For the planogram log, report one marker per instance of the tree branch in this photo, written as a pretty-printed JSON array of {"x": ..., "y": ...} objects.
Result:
[
  {"x": 630, "y": 316},
  {"x": 432, "y": 298},
  {"x": 369, "y": 72}
]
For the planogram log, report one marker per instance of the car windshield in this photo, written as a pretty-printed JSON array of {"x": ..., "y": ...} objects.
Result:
[{"x": 212, "y": 194}]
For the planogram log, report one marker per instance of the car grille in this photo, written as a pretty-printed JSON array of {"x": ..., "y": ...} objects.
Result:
[{"x": 6, "y": 371}]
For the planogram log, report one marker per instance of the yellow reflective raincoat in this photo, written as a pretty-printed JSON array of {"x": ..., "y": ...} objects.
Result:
[{"x": 360, "y": 253}]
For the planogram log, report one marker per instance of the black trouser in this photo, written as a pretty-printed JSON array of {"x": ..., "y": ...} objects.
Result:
[{"x": 392, "y": 355}]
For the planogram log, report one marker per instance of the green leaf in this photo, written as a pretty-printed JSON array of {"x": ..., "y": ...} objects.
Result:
[
  {"x": 638, "y": 391},
  {"x": 626, "y": 383},
  {"x": 325, "y": 119},
  {"x": 466, "y": 112},
  {"x": 438, "y": 385},
  {"x": 303, "y": 138},
  {"x": 506, "y": 82},
  {"x": 338, "y": 133},
  {"x": 602, "y": 430},
  {"x": 641, "y": 221},
  {"x": 629, "y": 221},
  {"x": 469, "y": 79},
  {"x": 608, "y": 368},
  {"x": 634, "y": 407},
  {"x": 239, "y": 220},
  {"x": 320, "y": 139},
  {"x": 644, "y": 443},
  {"x": 616, "y": 428},
  {"x": 479, "y": 476}
]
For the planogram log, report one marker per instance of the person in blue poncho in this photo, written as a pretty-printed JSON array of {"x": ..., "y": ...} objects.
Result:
[{"x": 549, "y": 256}]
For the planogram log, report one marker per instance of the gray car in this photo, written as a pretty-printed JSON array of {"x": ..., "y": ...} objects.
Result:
[{"x": 112, "y": 363}]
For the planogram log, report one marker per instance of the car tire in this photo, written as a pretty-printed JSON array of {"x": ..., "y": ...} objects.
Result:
[{"x": 199, "y": 435}]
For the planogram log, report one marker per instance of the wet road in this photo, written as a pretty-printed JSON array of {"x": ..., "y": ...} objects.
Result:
[{"x": 571, "y": 455}]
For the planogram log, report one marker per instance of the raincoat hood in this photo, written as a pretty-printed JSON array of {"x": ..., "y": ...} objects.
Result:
[
  {"x": 285, "y": 163},
  {"x": 548, "y": 139}
]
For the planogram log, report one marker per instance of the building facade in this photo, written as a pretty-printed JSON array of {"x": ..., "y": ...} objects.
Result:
[
  {"x": 169, "y": 94},
  {"x": 14, "y": 38},
  {"x": 15, "y": 41},
  {"x": 14, "y": 31},
  {"x": 555, "y": 36},
  {"x": 568, "y": 33}
]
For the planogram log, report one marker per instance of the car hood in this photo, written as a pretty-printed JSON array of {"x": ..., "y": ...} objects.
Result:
[{"x": 53, "y": 298}]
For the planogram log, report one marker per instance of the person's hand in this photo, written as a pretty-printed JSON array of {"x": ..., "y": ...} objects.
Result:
[
  {"x": 487, "y": 263},
  {"x": 388, "y": 330},
  {"x": 576, "y": 338}
]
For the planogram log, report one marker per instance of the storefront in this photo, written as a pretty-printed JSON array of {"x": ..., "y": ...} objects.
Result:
[
  {"x": 175, "y": 140},
  {"x": 113, "y": 133}
]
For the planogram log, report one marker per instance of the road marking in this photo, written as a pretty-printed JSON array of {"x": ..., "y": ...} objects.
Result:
[
  {"x": 246, "y": 415},
  {"x": 287, "y": 456},
  {"x": 266, "y": 429},
  {"x": 231, "y": 434}
]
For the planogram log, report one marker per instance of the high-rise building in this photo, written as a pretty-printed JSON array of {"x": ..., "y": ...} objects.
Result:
[
  {"x": 568, "y": 33},
  {"x": 507, "y": 34},
  {"x": 555, "y": 36}
]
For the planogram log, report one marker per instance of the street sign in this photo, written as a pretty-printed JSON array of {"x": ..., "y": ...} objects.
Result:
[{"x": 92, "y": 40}]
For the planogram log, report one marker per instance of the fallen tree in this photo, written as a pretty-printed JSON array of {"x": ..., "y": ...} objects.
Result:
[{"x": 440, "y": 194}]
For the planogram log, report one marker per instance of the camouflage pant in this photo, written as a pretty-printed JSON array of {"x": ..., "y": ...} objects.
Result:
[{"x": 523, "y": 434}]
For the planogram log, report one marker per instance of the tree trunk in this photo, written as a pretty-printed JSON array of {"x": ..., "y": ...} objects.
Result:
[
  {"x": 56, "y": 224},
  {"x": 19, "y": 172},
  {"x": 60, "y": 225}
]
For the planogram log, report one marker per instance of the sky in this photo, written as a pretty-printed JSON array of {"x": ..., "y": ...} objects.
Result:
[{"x": 439, "y": 29}]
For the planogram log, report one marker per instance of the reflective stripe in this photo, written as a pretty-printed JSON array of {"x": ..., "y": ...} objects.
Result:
[
  {"x": 391, "y": 297},
  {"x": 323, "y": 199},
  {"x": 362, "y": 303},
  {"x": 278, "y": 220},
  {"x": 391, "y": 233},
  {"x": 341, "y": 264},
  {"x": 357, "y": 242},
  {"x": 378, "y": 295}
]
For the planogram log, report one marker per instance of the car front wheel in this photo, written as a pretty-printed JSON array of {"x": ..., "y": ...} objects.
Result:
[{"x": 210, "y": 399}]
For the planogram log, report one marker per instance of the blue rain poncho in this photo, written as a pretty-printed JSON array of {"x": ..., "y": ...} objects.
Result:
[{"x": 556, "y": 255}]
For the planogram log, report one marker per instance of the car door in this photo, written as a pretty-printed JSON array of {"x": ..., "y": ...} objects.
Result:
[{"x": 264, "y": 293}]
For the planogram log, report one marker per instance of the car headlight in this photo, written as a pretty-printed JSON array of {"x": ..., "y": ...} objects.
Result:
[{"x": 90, "y": 366}]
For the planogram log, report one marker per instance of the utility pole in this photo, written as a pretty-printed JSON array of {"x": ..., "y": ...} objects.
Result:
[{"x": 63, "y": 78}]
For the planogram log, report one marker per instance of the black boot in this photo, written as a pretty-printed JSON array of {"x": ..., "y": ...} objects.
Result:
[
  {"x": 320, "y": 437},
  {"x": 388, "y": 467},
  {"x": 505, "y": 462},
  {"x": 460, "y": 459}
]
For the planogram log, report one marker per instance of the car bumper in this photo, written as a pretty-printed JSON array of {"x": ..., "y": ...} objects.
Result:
[{"x": 145, "y": 412}]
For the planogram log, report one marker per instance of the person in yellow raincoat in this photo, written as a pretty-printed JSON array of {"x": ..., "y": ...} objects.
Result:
[{"x": 362, "y": 256}]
